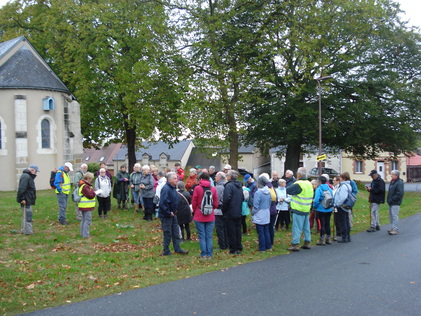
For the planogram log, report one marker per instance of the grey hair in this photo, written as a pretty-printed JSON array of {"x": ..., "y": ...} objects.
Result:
[
  {"x": 193, "y": 170},
  {"x": 146, "y": 167},
  {"x": 212, "y": 168},
  {"x": 282, "y": 181},
  {"x": 266, "y": 175},
  {"x": 136, "y": 165},
  {"x": 396, "y": 172},
  {"x": 289, "y": 172},
  {"x": 232, "y": 174},
  {"x": 161, "y": 174},
  {"x": 302, "y": 171},
  {"x": 221, "y": 175},
  {"x": 180, "y": 186},
  {"x": 170, "y": 174}
]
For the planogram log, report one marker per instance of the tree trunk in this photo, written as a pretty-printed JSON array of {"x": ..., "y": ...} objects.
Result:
[
  {"x": 131, "y": 147},
  {"x": 292, "y": 157},
  {"x": 233, "y": 140}
]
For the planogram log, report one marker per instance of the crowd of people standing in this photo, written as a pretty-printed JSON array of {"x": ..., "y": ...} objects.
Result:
[{"x": 220, "y": 201}]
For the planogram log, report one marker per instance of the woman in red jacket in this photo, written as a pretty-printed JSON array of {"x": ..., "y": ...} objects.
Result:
[{"x": 204, "y": 223}]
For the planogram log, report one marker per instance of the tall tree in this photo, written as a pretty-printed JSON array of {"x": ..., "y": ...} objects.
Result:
[
  {"x": 373, "y": 100},
  {"x": 119, "y": 58}
]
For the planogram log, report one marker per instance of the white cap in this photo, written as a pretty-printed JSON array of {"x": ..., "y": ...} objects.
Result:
[
  {"x": 227, "y": 167},
  {"x": 69, "y": 165}
]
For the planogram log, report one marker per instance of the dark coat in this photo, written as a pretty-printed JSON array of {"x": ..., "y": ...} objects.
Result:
[
  {"x": 377, "y": 191},
  {"x": 168, "y": 201},
  {"x": 121, "y": 187},
  {"x": 395, "y": 194},
  {"x": 233, "y": 198},
  {"x": 184, "y": 215},
  {"x": 26, "y": 189}
]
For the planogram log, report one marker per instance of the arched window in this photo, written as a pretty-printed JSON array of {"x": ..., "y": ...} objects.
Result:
[{"x": 46, "y": 133}]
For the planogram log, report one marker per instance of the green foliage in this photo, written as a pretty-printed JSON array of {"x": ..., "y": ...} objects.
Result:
[{"x": 93, "y": 167}]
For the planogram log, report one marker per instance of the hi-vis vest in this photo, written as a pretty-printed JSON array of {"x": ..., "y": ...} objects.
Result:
[
  {"x": 84, "y": 201},
  {"x": 65, "y": 185},
  {"x": 302, "y": 202}
]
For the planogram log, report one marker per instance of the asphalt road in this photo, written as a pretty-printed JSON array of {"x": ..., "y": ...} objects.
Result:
[{"x": 375, "y": 274}]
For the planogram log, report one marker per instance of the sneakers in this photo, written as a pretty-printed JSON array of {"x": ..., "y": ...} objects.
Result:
[
  {"x": 393, "y": 232},
  {"x": 371, "y": 230},
  {"x": 294, "y": 247}
]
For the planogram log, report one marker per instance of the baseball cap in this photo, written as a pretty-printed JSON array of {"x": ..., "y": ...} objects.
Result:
[
  {"x": 373, "y": 172},
  {"x": 69, "y": 165},
  {"x": 198, "y": 167},
  {"x": 247, "y": 177},
  {"x": 34, "y": 167},
  {"x": 227, "y": 167}
]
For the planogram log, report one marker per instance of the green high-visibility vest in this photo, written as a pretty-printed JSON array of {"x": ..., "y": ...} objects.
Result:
[
  {"x": 84, "y": 201},
  {"x": 302, "y": 202}
]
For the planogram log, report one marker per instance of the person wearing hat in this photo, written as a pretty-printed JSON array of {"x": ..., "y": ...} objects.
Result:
[
  {"x": 198, "y": 170},
  {"x": 63, "y": 188},
  {"x": 377, "y": 191},
  {"x": 227, "y": 168},
  {"x": 250, "y": 183},
  {"x": 26, "y": 196}
]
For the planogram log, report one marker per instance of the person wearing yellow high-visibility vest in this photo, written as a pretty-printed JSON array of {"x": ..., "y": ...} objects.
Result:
[
  {"x": 63, "y": 189},
  {"x": 87, "y": 202},
  {"x": 301, "y": 199}
]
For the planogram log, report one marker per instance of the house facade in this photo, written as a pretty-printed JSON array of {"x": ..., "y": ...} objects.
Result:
[{"x": 39, "y": 116}]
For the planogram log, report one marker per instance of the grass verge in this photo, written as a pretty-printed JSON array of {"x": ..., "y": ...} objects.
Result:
[{"x": 55, "y": 266}]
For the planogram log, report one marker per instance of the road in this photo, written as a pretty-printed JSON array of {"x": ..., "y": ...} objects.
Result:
[{"x": 375, "y": 274}]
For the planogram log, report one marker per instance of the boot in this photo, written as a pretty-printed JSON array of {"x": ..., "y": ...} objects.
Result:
[
  {"x": 344, "y": 239},
  {"x": 328, "y": 241},
  {"x": 321, "y": 242},
  {"x": 306, "y": 245},
  {"x": 294, "y": 247}
]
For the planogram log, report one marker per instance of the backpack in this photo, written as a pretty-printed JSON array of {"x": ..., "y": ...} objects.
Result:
[
  {"x": 349, "y": 201},
  {"x": 75, "y": 195},
  {"x": 327, "y": 201},
  {"x": 207, "y": 202},
  {"x": 52, "y": 179}
]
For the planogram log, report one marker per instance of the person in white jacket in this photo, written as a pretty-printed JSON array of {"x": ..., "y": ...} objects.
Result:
[
  {"x": 284, "y": 215},
  {"x": 103, "y": 183}
]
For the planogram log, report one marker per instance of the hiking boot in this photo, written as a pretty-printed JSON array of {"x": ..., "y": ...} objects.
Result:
[
  {"x": 371, "y": 230},
  {"x": 321, "y": 242},
  {"x": 328, "y": 241},
  {"x": 64, "y": 222},
  {"x": 393, "y": 232},
  {"x": 377, "y": 227},
  {"x": 306, "y": 245},
  {"x": 294, "y": 247}
]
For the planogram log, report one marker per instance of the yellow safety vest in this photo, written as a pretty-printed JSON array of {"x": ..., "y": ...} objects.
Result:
[
  {"x": 84, "y": 201},
  {"x": 302, "y": 202},
  {"x": 65, "y": 185}
]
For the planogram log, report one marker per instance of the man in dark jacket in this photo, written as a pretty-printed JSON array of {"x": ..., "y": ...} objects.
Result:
[
  {"x": 377, "y": 193},
  {"x": 168, "y": 204},
  {"x": 394, "y": 199},
  {"x": 232, "y": 210},
  {"x": 26, "y": 196}
]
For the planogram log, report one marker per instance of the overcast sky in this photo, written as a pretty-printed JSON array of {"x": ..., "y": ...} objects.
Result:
[{"x": 411, "y": 7}]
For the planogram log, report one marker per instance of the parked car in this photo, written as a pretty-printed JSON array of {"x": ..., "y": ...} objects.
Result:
[
  {"x": 243, "y": 172},
  {"x": 314, "y": 173}
]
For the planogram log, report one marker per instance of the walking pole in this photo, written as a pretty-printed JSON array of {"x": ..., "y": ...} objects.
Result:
[{"x": 277, "y": 214}]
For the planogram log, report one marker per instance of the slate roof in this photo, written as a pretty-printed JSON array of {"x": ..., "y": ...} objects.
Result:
[
  {"x": 155, "y": 149},
  {"x": 95, "y": 155},
  {"x": 25, "y": 69}
]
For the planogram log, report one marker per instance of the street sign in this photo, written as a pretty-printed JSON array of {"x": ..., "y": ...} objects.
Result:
[{"x": 321, "y": 157}]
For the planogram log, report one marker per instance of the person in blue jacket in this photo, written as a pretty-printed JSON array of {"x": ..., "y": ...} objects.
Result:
[{"x": 323, "y": 214}]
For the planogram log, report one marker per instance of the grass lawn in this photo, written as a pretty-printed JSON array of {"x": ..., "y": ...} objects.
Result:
[{"x": 55, "y": 266}]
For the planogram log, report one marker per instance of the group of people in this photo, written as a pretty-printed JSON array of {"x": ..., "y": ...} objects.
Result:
[{"x": 217, "y": 200}]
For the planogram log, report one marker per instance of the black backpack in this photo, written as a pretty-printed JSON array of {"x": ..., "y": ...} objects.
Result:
[
  {"x": 207, "y": 202},
  {"x": 52, "y": 178}
]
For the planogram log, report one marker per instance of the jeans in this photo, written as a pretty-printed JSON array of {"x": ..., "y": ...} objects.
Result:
[
  {"x": 394, "y": 216},
  {"x": 204, "y": 230},
  {"x": 300, "y": 223},
  {"x": 171, "y": 231},
  {"x": 62, "y": 204},
  {"x": 85, "y": 223},
  {"x": 375, "y": 215},
  {"x": 264, "y": 237}
]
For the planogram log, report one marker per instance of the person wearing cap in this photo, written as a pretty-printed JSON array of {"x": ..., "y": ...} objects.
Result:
[
  {"x": 377, "y": 191},
  {"x": 227, "y": 168},
  {"x": 250, "y": 183},
  {"x": 63, "y": 188},
  {"x": 198, "y": 170},
  {"x": 26, "y": 196}
]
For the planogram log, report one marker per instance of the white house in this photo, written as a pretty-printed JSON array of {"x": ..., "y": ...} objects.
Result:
[{"x": 39, "y": 116}]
